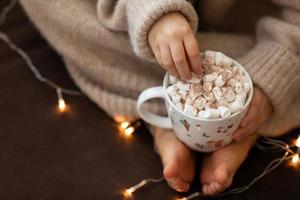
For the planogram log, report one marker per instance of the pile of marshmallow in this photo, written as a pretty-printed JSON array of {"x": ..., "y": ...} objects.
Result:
[{"x": 219, "y": 93}]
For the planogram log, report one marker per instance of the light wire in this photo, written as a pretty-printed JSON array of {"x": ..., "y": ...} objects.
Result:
[{"x": 4, "y": 37}]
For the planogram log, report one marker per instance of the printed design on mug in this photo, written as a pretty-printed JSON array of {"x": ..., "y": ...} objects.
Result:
[
  {"x": 215, "y": 143},
  {"x": 222, "y": 129},
  {"x": 185, "y": 124},
  {"x": 200, "y": 146},
  {"x": 205, "y": 135},
  {"x": 198, "y": 127}
]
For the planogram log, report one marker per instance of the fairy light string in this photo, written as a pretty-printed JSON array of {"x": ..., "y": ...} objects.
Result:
[
  {"x": 59, "y": 89},
  {"x": 264, "y": 144},
  {"x": 128, "y": 128}
]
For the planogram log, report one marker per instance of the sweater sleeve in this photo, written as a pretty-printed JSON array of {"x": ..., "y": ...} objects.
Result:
[
  {"x": 136, "y": 17},
  {"x": 274, "y": 62}
]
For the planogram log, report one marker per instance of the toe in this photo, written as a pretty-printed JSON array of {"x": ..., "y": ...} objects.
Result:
[
  {"x": 170, "y": 167},
  {"x": 222, "y": 174},
  {"x": 178, "y": 185},
  {"x": 210, "y": 189},
  {"x": 205, "y": 189}
]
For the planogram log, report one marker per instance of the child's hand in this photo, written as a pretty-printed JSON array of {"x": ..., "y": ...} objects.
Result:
[
  {"x": 175, "y": 46},
  {"x": 260, "y": 109}
]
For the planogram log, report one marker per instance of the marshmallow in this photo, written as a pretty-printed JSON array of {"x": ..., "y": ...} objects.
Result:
[
  {"x": 241, "y": 97},
  {"x": 183, "y": 93},
  {"x": 211, "y": 105},
  {"x": 184, "y": 96},
  {"x": 201, "y": 114},
  {"x": 176, "y": 98},
  {"x": 189, "y": 100},
  {"x": 211, "y": 114},
  {"x": 183, "y": 86},
  {"x": 179, "y": 105},
  {"x": 191, "y": 110},
  {"x": 217, "y": 93},
  {"x": 224, "y": 111},
  {"x": 207, "y": 86},
  {"x": 207, "y": 65},
  {"x": 210, "y": 77},
  {"x": 172, "y": 79},
  {"x": 238, "y": 88},
  {"x": 235, "y": 106},
  {"x": 227, "y": 74},
  {"x": 244, "y": 78},
  {"x": 210, "y": 54},
  {"x": 217, "y": 69},
  {"x": 196, "y": 91},
  {"x": 219, "y": 58},
  {"x": 195, "y": 79},
  {"x": 246, "y": 87},
  {"x": 208, "y": 96},
  {"x": 219, "y": 82},
  {"x": 200, "y": 103},
  {"x": 238, "y": 78},
  {"x": 222, "y": 101},
  {"x": 197, "y": 88},
  {"x": 229, "y": 94},
  {"x": 231, "y": 82},
  {"x": 235, "y": 70},
  {"x": 227, "y": 62},
  {"x": 171, "y": 90},
  {"x": 221, "y": 92},
  {"x": 222, "y": 60}
]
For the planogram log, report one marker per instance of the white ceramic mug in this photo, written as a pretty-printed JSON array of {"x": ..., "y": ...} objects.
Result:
[{"x": 204, "y": 135}]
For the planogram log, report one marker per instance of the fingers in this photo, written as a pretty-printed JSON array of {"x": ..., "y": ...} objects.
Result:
[
  {"x": 251, "y": 121},
  {"x": 167, "y": 60},
  {"x": 242, "y": 133},
  {"x": 193, "y": 53},
  {"x": 179, "y": 58},
  {"x": 157, "y": 54},
  {"x": 252, "y": 112}
]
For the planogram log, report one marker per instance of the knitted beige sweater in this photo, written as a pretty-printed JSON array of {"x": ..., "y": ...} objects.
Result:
[{"x": 104, "y": 45}]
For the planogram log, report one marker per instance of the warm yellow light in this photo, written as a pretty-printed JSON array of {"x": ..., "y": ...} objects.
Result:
[
  {"x": 119, "y": 118},
  {"x": 128, "y": 131},
  {"x": 61, "y": 105},
  {"x": 128, "y": 192},
  {"x": 298, "y": 142},
  {"x": 295, "y": 159},
  {"x": 125, "y": 125}
]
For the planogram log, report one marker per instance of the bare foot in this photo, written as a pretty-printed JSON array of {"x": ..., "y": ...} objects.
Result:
[
  {"x": 177, "y": 159},
  {"x": 219, "y": 167}
]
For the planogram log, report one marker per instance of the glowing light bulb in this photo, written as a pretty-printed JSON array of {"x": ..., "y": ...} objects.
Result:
[
  {"x": 61, "y": 105},
  {"x": 129, "y": 191},
  {"x": 298, "y": 142},
  {"x": 125, "y": 125},
  {"x": 295, "y": 159},
  {"x": 128, "y": 131}
]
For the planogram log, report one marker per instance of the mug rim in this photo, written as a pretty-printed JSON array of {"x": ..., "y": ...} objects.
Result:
[{"x": 166, "y": 81}]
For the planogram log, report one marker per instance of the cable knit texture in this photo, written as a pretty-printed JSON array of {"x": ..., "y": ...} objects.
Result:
[{"x": 104, "y": 45}]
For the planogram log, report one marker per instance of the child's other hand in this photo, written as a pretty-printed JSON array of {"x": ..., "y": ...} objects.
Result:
[
  {"x": 260, "y": 109},
  {"x": 175, "y": 46}
]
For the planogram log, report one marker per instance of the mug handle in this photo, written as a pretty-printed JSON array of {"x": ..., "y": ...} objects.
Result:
[{"x": 151, "y": 118}]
